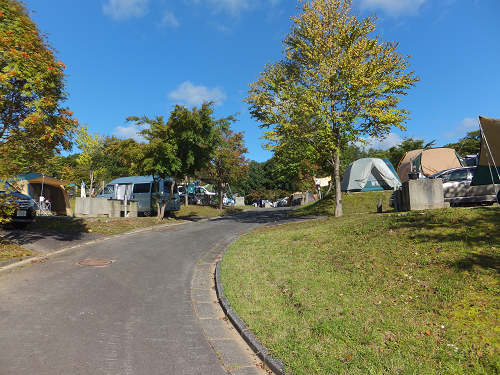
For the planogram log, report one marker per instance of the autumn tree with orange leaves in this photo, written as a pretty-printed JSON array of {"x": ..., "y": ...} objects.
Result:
[{"x": 33, "y": 124}]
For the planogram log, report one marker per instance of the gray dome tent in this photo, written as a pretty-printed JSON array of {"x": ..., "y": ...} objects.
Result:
[{"x": 370, "y": 174}]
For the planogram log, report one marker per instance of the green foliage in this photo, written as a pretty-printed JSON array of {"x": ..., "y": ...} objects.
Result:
[
  {"x": 33, "y": 125},
  {"x": 295, "y": 163},
  {"x": 181, "y": 146},
  {"x": 264, "y": 182},
  {"x": 7, "y": 203},
  {"x": 469, "y": 145},
  {"x": 228, "y": 164},
  {"x": 122, "y": 157},
  {"x": 337, "y": 83},
  {"x": 92, "y": 156}
]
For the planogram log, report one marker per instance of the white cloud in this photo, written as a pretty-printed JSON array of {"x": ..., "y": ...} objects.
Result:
[
  {"x": 169, "y": 19},
  {"x": 391, "y": 140},
  {"x": 231, "y": 6},
  {"x": 123, "y": 9},
  {"x": 130, "y": 131},
  {"x": 462, "y": 128},
  {"x": 393, "y": 8},
  {"x": 192, "y": 95},
  {"x": 221, "y": 28}
]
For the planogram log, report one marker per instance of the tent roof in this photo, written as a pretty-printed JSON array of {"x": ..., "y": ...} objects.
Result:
[
  {"x": 40, "y": 178},
  {"x": 429, "y": 161},
  {"x": 134, "y": 180}
]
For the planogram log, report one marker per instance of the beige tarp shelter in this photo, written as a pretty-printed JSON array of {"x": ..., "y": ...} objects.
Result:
[
  {"x": 428, "y": 162},
  {"x": 487, "y": 168},
  {"x": 52, "y": 190}
]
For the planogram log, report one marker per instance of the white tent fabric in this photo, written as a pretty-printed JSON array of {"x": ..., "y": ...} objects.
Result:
[{"x": 363, "y": 170}]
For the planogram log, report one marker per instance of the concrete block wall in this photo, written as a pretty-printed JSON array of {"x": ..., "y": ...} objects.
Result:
[
  {"x": 423, "y": 194},
  {"x": 100, "y": 207}
]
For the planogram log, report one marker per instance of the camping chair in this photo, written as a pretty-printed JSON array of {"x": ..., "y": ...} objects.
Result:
[{"x": 44, "y": 206}]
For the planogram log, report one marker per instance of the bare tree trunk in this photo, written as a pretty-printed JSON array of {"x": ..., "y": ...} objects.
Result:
[
  {"x": 91, "y": 182},
  {"x": 186, "y": 198},
  {"x": 162, "y": 205},
  {"x": 161, "y": 212},
  {"x": 219, "y": 189},
  {"x": 336, "y": 177}
]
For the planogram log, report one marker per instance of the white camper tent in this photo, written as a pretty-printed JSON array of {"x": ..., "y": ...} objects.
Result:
[{"x": 370, "y": 174}]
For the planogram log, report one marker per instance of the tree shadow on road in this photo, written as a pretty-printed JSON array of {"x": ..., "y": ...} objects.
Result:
[{"x": 40, "y": 235}]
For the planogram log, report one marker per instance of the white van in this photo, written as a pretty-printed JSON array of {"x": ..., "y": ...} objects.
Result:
[{"x": 142, "y": 189}]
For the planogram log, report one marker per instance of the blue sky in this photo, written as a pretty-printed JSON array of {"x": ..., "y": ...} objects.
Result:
[{"x": 141, "y": 57}]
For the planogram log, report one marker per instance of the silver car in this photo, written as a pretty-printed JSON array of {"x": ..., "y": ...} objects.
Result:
[{"x": 457, "y": 187}]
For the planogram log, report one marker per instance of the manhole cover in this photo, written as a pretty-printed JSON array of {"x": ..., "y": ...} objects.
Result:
[{"x": 95, "y": 262}]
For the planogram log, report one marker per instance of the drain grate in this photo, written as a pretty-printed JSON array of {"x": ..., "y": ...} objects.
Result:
[{"x": 95, "y": 262}]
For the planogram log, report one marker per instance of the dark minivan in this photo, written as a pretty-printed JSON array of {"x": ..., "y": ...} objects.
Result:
[{"x": 25, "y": 212}]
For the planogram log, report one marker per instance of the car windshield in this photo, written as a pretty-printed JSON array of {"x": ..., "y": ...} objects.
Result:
[
  {"x": 436, "y": 175},
  {"x": 449, "y": 173}
]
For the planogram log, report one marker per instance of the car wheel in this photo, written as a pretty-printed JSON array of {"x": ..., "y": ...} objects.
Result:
[{"x": 19, "y": 225}]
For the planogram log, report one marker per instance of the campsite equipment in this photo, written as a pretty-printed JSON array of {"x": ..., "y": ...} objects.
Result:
[
  {"x": 47, "y": 192},
  {"x": 488, "y": 170},
  {"x": 370, "y": 174},
  {"x": 428, "y": 162}
]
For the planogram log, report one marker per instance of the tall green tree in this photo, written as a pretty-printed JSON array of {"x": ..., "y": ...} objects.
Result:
[
  {"x": 92, "y": 156},
  {"x": 182, "y": 145},
  {"x": 296, "y": 164},
  {"x": 122, "y": 157},
  {"x": 468, "y": 145},
  {"x": 33, "y": 123},
  {"x": 228, "y": 164},
  {"x": 336, "y": 83}
]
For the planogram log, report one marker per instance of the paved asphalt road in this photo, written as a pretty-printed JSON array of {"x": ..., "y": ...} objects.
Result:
[{"x": 134, "y": 316}]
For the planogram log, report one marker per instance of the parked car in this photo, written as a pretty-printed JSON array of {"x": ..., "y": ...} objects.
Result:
[
  {"x": 282, "y": 202},
  {"x": 202, "y": 190},
  {"x": 198, "y": 197},
  {"x": 458, "y": 190},
  {"x": 25, "y": 212}
]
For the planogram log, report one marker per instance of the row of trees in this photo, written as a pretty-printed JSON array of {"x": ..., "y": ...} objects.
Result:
[
  {"x": 35, "y": 127},
  {"x": 190, "y": 143},
  {"x": 336, "y": 84}
]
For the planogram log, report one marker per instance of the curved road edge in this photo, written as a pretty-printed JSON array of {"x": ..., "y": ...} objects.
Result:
[{"x": 276, "y": 366}]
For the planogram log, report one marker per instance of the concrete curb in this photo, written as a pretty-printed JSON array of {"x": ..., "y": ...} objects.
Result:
[
  {"x": 262, "y": 352},
  {"x": 8, "y": 262}
]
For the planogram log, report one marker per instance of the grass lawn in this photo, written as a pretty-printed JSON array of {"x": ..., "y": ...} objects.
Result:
[
  {"x": 108, "y": 226},
  {"x": 414, "y": 293},
  {"x": 354, "y": 203}
]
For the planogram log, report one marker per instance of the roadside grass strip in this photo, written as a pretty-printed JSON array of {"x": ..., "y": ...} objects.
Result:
[
  {"x": 9, "y": 250},
  {"x": 374, "y": 294}
]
